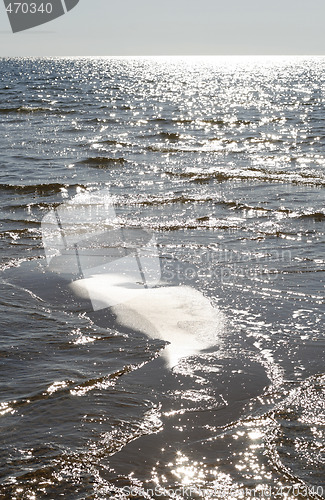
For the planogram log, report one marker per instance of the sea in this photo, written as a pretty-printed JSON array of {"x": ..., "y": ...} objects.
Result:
[{"x": 210, "y": 382}]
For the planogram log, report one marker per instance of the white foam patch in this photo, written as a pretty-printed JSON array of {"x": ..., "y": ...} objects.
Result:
[{"x": 179, "y": 315}]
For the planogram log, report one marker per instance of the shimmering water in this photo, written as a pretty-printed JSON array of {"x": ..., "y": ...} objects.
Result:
[{"x": 223, "y": 160}]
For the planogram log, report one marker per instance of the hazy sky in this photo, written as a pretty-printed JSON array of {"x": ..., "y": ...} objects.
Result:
[{"x": 149, "y": 27}]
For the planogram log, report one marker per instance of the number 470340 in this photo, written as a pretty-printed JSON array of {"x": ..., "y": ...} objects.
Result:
[{"x": 29, "y": 8}]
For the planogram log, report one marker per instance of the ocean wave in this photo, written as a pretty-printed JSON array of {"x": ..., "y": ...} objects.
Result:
[
  {"x": 170, "y": 136},
  {"x": 226, "y": 123},
  {"x": 111, "y": 142},
  {"x": 296, "y": 444},
  {"x": 30, "y": 205},
  {"x": 257, "y": 231},
  {"x": 26, "y": 110},
  {"x": 162, "y": 148},
  {"x": 210, "y": 121},
  {"x": 165, "y": 200},
  {"x": 17, "y": 234},
  {"x": 102, "y": 161},
  {"x": 99, "y": 120},
  {"x": 171, "y": 121},
  {"x": 58, "y": 389},
  {"x": 183, "y": 199},
  {"x": 205, "y": 222},
  {"x": 251, "y": 174},
  {"x": 250, "y": 139},
  {"x": 230, "y": 204},
  {"x": 114, "y": 142},
  {"x": 42, "y": 189},
  {"x": 177, "y": 146},
  {"x": 317, "y": 216}
]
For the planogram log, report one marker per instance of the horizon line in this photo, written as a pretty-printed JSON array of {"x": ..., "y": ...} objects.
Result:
[{"x": 160, "y": 55}]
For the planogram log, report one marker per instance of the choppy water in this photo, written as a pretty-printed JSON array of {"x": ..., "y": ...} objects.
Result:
[{"x": 223, "y": 160}]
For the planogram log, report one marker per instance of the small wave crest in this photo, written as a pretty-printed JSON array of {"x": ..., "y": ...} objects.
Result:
[
  {"x": 27, "y": 110},
  {"x": 170, "y": 136},
  {"x": 102, "y": 161},
  {"x": 42, "y": 189},
  {"x": 259, "y": 175}
]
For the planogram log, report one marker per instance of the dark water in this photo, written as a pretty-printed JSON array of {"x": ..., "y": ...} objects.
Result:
[{"x": 224, "y": 161}]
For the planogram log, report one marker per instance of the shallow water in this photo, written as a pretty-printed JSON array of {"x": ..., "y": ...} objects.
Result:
[{"x": 222, "y": 160}]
